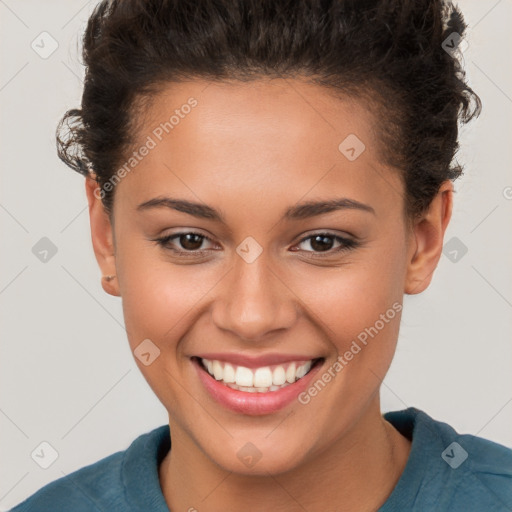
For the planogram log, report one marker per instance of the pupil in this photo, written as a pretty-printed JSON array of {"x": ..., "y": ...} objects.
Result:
[
  {"x": 187, "y": 241},
  {"x": 320, "y": 242}
]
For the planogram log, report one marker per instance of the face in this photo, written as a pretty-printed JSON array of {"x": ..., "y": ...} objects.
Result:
[{"x": 220, "y": 255}]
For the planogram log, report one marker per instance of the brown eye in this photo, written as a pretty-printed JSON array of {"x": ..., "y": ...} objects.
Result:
[
  {"x": 191, "y": 241},
  {"x": 322, "y": 243},
  {"x": 325, "y": 243},
  {"x": 185, "y": 243}
]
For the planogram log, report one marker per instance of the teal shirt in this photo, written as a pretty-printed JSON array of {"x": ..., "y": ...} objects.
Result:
[{"x": 445, "y": 471}]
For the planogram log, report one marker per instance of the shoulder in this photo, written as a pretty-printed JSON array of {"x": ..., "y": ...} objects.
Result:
[
  {"x": 485, "y": 476},
  {"x": 101, "y": 485},
  {"x": 92, "y": 487},
  {"x": 458, "y": 471},
  {"x": 468, "y": 451}
]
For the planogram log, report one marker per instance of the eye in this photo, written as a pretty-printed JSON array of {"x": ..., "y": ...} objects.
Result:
[
  {"x": 189, "y": 243},
  {"x": 324, "y": 243}
]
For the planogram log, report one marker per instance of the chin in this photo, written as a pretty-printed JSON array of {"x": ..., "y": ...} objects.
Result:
[{"x": 254, "y": 458}]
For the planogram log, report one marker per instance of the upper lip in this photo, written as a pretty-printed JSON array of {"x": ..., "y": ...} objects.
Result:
[{"x": 254, "y": 361}]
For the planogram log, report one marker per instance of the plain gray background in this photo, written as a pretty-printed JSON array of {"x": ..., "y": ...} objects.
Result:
[{"x": 67, "y": 375}]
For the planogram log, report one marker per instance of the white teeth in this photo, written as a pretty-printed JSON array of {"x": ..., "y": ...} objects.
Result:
[
  {"x": 260, "y": 380},
  {"x": 217, "y": 370},
  {"x": 263, "y": 377},
  {"x": 302, "y": 370},
  {"x": 253, "y": 389},
  {"x": 290, "y": 374},
  {"x": 244, "y": 376},
  {"x": 278, "y": 376},
  {"x": 229, "y": 373}
]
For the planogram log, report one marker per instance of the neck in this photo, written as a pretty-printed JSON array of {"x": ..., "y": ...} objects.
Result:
[{"x": 359, "y": 470}]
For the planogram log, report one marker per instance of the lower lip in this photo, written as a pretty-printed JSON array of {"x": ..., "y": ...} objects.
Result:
[{"x": 254, "y": 403}]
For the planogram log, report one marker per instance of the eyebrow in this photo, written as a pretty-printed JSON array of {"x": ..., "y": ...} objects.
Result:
[{"x": 299, "y": 211}]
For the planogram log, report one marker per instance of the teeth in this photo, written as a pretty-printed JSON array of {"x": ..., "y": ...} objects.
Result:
[
  {"x": 278, "y": 376},
  {"x": 263, "y": 377},
  {"x": 260, "y": 380},
  {"x": 256, "y": 390},
  {"x": 218, "y": 372},
  {"x": 248, "y": 389},
  {"x": 290, "y": 373},
  {"x": 302, "y": 370},
  {"x": 229, "y": 373},
  {"x": 244, "y": 376}
]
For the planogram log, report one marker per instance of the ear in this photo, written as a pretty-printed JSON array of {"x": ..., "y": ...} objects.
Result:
[
  {"x": 427, "y": 240},
  {"x": 102, "y": 236}
]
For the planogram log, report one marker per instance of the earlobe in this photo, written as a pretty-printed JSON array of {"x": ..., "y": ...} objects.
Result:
[
  {"x": 102, "y": 237},
  {"x": 427, "y": 240}
]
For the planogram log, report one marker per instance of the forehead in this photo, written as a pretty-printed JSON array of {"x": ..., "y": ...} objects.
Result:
[
  {"x": 279, "y": 113},
  {"x": 276, "y": 140}
]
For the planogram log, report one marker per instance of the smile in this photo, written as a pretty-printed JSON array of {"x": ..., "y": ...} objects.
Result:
[
  {"x": 264, "y": 388},
  {"x": 258, "y": 380}
]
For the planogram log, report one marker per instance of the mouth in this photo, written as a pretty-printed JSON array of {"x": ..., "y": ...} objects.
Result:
[
  {"x": 258, "y": 380},
  {"x": 256, "y": 390}
]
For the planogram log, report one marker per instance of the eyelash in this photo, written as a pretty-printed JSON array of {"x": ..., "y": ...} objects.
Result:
[{"x": 347, "y": 244}]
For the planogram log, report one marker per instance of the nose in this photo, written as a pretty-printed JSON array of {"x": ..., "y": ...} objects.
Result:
[{"x": 254, "y": 301}]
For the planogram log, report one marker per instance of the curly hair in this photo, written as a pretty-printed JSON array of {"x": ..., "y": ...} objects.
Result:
[{"x": 392, "y": 53}]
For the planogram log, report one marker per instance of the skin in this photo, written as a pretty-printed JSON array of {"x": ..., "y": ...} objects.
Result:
[{"x": 251, "y": 150}]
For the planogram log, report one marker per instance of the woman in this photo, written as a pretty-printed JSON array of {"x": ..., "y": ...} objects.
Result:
[{"x": 266, "y": 180}]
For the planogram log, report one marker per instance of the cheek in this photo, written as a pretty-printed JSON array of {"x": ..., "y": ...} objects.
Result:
[
  {"x": 160, "y": 303},
  {"x": 161, "y": 300},
  {"x": 358, "y": 307},
  {"x": 351, "y": 297}
]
